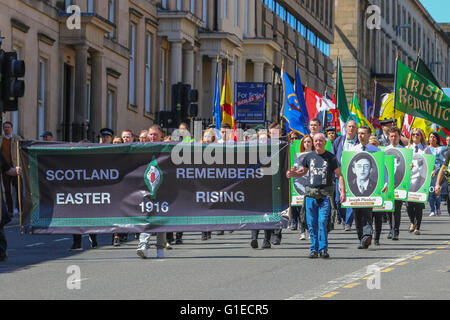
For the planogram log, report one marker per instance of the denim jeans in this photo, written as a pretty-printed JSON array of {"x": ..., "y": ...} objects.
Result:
[
  {"x": 346, "y": 214},
  {"x": 435, "y": 202},
  {"x": 317, "y": 214},
  {"x": 144, "y": 238}
]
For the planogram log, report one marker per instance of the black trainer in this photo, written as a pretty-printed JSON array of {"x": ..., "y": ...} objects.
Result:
[
  {"x": 254, "y": 244},
  {"x": 324, "y": 255},
  {"x": 313, "y": 255}
]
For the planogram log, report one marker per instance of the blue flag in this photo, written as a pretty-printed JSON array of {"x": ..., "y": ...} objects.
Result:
[
  {"x": 368, "y": 109},
  {"x": 291, "y": 109},
  {"x": 217, "y": 107},
  {"x": 301, "y": 100}
]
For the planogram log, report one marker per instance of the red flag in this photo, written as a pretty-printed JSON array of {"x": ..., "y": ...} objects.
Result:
[{"x": 313, "y": 102}]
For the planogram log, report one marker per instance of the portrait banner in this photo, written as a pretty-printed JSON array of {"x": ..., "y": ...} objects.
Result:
[
  {"x": 389, "y": 196},
  {"x": 402, "y": 172},
  {"x": 160, "y": 187},
  {"x": 364, "y": 179},
  {"x": 419, "y": 187},
  {"x": 298, "y": 185}
]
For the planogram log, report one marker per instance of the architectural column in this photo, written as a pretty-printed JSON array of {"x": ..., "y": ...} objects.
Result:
[
  {"x": 81, "y": 94},
  {"x": 98, "y": 89},
  {"x": 258, "y": 71},
  {"x": 176, "y": 62},
  {"x": 250, "y": 18}
]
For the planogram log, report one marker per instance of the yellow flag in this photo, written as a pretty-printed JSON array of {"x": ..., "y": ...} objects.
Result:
[{"x": 387, "y": 110}]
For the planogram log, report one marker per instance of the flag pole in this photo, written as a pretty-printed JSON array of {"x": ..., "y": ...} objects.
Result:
[
  {"x": 416, "y": 69},
  {"x": 215, "y": 93},
  {"x": 395, "y": 83}
]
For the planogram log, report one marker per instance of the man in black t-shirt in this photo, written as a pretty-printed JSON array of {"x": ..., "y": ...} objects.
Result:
[
  {"x": 321, "y": 165},
  {"x": 7, "y": 169}
]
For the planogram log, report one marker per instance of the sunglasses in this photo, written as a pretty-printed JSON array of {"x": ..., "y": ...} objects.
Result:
[{"x": 416, "y": 134}]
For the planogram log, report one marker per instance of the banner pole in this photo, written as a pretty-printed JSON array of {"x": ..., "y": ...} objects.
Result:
[
  {"x": 19, "y": 193},
  {"x": 395, "y": 84}
]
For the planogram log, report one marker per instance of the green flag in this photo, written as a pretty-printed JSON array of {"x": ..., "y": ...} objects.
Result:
[
  {"x": 420, "y": 97},
  {"x": 357, "y": 115},
  {"x": 341, "y": 98},
  {"x": 423, "y": 70}
]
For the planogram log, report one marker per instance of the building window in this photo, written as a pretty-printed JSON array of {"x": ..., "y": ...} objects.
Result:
[
  {"x": 179, "y": 5},
  {"x": 42, "y": 83},
  {"x": 193, "y": 6},
  {"x": 162, "y": 80},
  {"x": 205, "y": 13},
  {"x": 111, "y": 101},
  {"x": 148, "y": 73},
  {"x": 132, "y": 67},
  {"x": 225, "y": 9},
  {"x": 112, "y": 16},
  {"x": 90, "y": 6},
  {"x": 237, "y": 15}
]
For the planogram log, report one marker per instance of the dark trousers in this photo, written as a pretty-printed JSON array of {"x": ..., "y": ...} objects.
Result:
[
  {"x": 363, "y": 222},
  {"x": 9, "y": 183},
  {"x": 377, "y": 219},
  {"x": 77, "y": 238},
  {"x": 395, "y": 218},
  {"x": 267, "y": 234},
  {"x": 169, "y": 236},
  {"x": 415, "y": 213},
  {"x": 3, "y": 242}
]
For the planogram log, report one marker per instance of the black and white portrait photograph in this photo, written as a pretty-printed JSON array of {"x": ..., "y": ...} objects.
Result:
[
  {"x": 399, "y": 165},
  {"x": 362, "y": 175},
  {"x": 419, "y": 173}
]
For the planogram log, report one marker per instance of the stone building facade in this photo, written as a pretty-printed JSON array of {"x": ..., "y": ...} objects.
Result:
[
  {"x": 368, "y": 50},
  {"x": 117, "y": 69}
]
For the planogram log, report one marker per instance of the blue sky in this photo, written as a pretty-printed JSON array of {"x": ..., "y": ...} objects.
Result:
[{"x": 438, "y": 9}]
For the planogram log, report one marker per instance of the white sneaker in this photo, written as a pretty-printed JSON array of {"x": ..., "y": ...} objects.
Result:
[
  {"x": 159, "y": 253},
  {"x": 142, "y": 251},
  {"x": 303, "y": 236},
  {"x": 432, "y": 214}
]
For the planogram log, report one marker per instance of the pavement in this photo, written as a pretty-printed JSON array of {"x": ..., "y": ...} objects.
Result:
[{"x": 40, "y": 267}]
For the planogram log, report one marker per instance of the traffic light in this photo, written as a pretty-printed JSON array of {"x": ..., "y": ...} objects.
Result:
[
  {"x": 182, "y": 97},
  {"x": 11, "y": 88}
]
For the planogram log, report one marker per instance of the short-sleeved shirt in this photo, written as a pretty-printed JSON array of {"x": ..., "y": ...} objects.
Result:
[
  {"x": 321, "y": 169},
  {"x": 447, "y": 159}
]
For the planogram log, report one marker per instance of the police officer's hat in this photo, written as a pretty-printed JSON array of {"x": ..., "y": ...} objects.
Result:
[
  {"x": 330, "y": 129},
  {"x": 106, "y": 132},
  {"x": 385, "y": 122}
]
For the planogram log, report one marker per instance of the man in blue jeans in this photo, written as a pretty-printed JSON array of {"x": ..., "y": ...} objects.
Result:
[
  {"x": 322, "y": 166},
  {"x": 345, "y": 143}
]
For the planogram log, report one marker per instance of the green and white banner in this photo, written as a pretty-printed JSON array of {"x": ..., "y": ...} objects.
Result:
[
  {"x": 402, "y": 171},
  {"x": 420, "y": 97},
  {"x": 389, "y": 197},
  {"x": 364, "y": 179},
  {"x": 297, "y": 184},
  {"x": 419, "y": 187}
]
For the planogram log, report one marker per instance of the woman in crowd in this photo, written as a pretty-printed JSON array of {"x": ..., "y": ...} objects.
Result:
[
  {"x": 295, "y": 211},
  {"x": 418, "y": 143},
  {"x": 439, "y": 151},
  {"x": 305, "y": 146},
  {"x": 209, "y": 136}
]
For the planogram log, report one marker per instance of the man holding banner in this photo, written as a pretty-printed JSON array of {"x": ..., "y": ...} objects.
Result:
[
  {"x": 363, "y": 216},
  {"x": 321, "y": 165}
]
